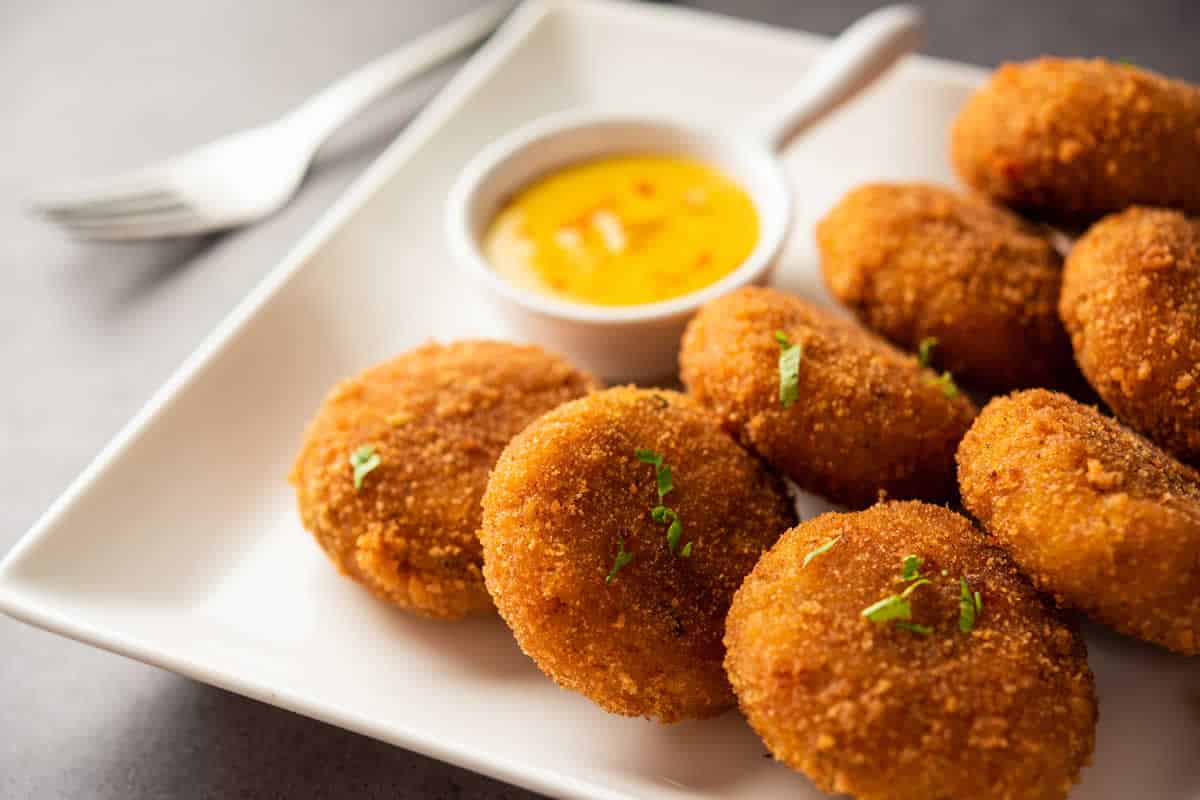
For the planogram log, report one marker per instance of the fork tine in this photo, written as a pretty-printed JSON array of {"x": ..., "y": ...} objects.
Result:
[
  {"x": 137, "y": 226},
  {"x": 129, "y": 186},
  {"x": 150, "y": 202},
  {"x": 125, "y": 202}
]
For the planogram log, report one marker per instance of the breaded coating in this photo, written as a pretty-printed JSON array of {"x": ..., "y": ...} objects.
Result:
[
  {"x": 437, "y": 418},
  {"x": 569, "y": 494},
  {"x": 867, "y": 418},
  {"x": 1072, "y": 140},
  {"x": 1003, "y": 711},
  {"x": 915, "y": 260},
  {"x": 1095, "y": 514},
  {"x": 1131, "y": 302}
]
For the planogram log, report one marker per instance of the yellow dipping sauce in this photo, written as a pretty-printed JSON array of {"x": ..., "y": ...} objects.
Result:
[{"x": 623, "y": 231}]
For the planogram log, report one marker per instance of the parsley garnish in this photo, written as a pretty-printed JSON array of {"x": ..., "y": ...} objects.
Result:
[
  {"x": 789, "y": 370},
  {"x": 925, "y": 359},
  {"x": 647, "y": 456},
  {"x": 662, "y": 473},
  {"x": 660, "y": 513},
  {"x": 925, "y": 351},
  {"x": 969, "y": 606},
  {"x": 896, "y": 606},
  {"x": 946, "y": 381},
  {"x": 889, "y": 608},
  {"x": 662, "y": 476},
  {"x": 364, "y": 459},
  {"x": 817, "y": 551},
  {"x": 623, "y": 558}
]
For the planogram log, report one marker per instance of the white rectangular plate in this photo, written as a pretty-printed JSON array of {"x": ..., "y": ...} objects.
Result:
[{"x": 180, "y": 546}]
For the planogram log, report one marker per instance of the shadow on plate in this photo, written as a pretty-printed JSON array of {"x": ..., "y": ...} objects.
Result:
[{"x": 479, "y": 647}]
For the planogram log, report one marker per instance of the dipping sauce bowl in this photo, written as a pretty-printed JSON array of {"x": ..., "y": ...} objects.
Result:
[{"x": 641, "y": 342}]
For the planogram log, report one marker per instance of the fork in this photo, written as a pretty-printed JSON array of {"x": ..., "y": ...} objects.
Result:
[{"x": 248, "y": 175}]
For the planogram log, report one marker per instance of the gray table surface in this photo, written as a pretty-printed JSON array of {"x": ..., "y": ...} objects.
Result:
[{"x": 87, "y": 332}]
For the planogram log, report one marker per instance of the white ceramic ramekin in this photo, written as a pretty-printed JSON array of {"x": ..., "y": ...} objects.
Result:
[{"x": 641, "y": 342}]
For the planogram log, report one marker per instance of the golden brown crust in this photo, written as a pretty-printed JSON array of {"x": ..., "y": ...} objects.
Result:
[
  {"x": 438, "y": 417},
  {"x": 916, "y": 260},
  {"x": 1131, "y": 302},
  {"x": 868, "y": 419},
  {"x": 561, "y": 497},
  {"x": 1005, "y": 711},
  {"x": 1094, "y": 513},
  {"x": 1073, "y": 140}
]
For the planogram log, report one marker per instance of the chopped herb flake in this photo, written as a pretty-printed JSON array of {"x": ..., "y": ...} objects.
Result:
[
  {"x": 889, "y": 608},
  {"x": 920, "y": 630},
  {"x": 789, "y": 370},
  {"x": 662, "y": 473},
  {"x": 912, "y": 568},
  {"x": 648, "y": 457},
  {"x": 663, "y": 515},
  {"x": 660, "y": 513},
  {"x": 913, "y": 586},
  {"x": 662, "y": 476},
  {"x": 623, "y": 558},
  {"x": 946, "y": 382},
  {"x": 969, "y": 606},
  {"x": 818, "y": 550},
  {"x": 363, "y": 460},
  {"x": 925, "y": 351},
  {"x": 674, "y": 531}
]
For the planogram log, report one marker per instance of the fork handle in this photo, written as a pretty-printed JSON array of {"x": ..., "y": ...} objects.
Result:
[{"x": 328, "y": 110}]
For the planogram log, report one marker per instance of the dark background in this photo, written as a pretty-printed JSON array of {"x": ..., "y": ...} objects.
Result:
[{"x": 87, "y": 332}]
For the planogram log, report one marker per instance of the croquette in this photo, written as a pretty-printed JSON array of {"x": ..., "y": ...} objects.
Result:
[
  {"x": 866, "y": 418},
  {"x": 422, "y": 431},
  {"x": 1097, "y": 515},
  {"x": 916, "y": 261},
  {"x": 989, "y": 698},
  {"x": 1131, "y": 302},
  {"x": 1072, "y": 140},
  {"x": 582, "y": 566}
]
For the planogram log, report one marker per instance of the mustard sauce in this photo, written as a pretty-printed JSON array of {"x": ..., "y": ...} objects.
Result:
[{"x": 623, "y": 230}]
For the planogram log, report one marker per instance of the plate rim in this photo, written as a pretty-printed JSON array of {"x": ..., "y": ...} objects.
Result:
[{"x": 20, "y": 599}]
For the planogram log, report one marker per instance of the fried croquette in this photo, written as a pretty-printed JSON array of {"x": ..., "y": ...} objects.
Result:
[
  {"x": 915, "y": 261},
  {"x": 1095, "y": 514},
  {"x": 581, "y": 564},
  {"x": 393, "y": 467},
  {"x": 909, "y": 707},
  {"x": 1072, "y": 140},
  {"x": 1131, "y": 302},
  {"x": 866, "y": 418}
]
